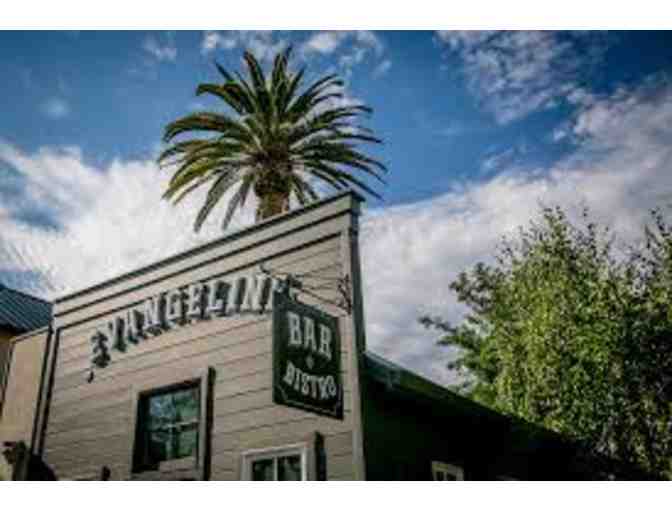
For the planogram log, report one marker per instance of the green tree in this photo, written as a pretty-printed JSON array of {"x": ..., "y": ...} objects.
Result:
[
  {"x": 276, "y": 139},
  {"x": 568, "y": 331}
]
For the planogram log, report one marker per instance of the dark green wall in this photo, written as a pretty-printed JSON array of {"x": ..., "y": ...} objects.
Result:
[{"x": 403, "y": 434}]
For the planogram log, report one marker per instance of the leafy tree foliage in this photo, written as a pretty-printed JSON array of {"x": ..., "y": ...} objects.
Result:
[
  {"x": 569, "y": 331},
  {"x": 276, "y": 139}
]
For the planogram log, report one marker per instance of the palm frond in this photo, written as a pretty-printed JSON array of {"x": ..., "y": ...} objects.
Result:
[
  {"x": 276, "y": 140},
  {"x": 233, "y": 204},
  {"x": 206, "y": 121},
  {"x": 221, "y": 186},
  {"x": 225, "y": 74},
  {"x": 230, "y": 95}
]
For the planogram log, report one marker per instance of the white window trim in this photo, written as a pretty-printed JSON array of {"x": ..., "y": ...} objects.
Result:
[
  {"x": 452, "y": 469},
  {"x": 251, "y": 456}
]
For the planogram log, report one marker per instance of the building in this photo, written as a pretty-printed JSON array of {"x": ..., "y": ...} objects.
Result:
[
  {"x": 245, "y": 358},
  {"x": 19, "y": 313}
]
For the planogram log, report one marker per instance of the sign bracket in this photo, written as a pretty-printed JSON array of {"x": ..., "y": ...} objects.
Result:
[{"x": 309, "y": 284}]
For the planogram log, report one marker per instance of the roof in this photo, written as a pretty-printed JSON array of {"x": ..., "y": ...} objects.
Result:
[
  {"x": 405, "y": 382},
  {"x": 407, "y": 385},
  {"x": 22, "y": 312}
]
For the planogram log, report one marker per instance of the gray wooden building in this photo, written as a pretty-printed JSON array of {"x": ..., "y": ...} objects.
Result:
[{"x": 171, "y": 372}]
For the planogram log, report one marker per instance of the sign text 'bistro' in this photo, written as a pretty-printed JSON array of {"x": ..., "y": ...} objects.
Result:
[{"x": 306, "y": 358}]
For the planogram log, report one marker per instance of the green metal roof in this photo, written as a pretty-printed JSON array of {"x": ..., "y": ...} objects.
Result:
[{"x": 22, "y": 312}]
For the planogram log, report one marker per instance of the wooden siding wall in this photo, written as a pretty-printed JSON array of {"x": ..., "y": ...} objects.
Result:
[
  {"x": 23, "y": 386},
  {"x": 5, "y": 337},
  {"x": 88, "y": 424}
]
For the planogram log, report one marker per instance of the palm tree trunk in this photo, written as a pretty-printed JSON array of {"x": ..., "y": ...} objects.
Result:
[{"x": 272, "y": 204}]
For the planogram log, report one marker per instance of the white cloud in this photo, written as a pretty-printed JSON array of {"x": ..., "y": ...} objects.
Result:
[
  {"x": 512, "y": 157},
  {"x": 328, "y": 42},
  {"x": 514, "y": 73},
  {"x": 454, "y": 129},
  {"x": 110, "y": 220},
  {"x": 410, "y": 252},
  {"x": 264, "y": 44},
  {"x": 371, "y": 40},
  {"x": 56, "y": 108},
  {"x": 166, "y": 51},
  {"x": 353, "y": 47},
  {"x": 213, "y": 40},
  {"x": 382, "y": 68},
  {"x": 325, "y": 42},
  {"x": 347, "y": 48}
]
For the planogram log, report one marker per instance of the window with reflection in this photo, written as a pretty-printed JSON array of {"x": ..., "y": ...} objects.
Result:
[
  {"x": 283, "y": 465},
  {"x": 168, "y": 426}
]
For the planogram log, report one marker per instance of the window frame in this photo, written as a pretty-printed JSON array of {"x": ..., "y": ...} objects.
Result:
[
  {"x": 250, "y": 456},
  {"x": 444, "y": 467},
  {"x": 192, "y": 467},
  {"x": 144, "y": 430}
]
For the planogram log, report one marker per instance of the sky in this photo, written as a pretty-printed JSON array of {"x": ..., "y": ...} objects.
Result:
[{"x": 480, "y": 128}]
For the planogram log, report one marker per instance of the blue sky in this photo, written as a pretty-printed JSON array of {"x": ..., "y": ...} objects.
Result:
[{"x": 479, "y": 127}]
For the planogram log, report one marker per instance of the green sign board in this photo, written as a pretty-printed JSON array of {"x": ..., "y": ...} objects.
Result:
[{"x": 306, "y": 358}]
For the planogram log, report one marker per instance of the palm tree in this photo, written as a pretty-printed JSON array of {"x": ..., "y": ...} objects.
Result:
[{"x": 275, "y": 143}]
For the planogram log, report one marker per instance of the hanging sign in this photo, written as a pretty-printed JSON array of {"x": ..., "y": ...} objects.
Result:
[{"x": 306, "y": 358}]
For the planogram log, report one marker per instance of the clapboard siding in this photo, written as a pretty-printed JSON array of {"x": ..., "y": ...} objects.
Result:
[
  {"x": 200, "y": 273},
  {"x": 340, "y": 467},
  {"x": 253, "y": 400},
  {"x": 227, "y": 462},
  {"x": 153, "y": 351},
  {"x": 115, "y": 414},
  {"x": 262, "y": 436},
  {"x": 342, "y": 208},
  {"x": 234, "y": 363},
  {"x": 323, "y": 263},
  {"x": 89, "y": 423},
  {"x": 224, "y": 475},
  {"x": 207, "y": 335},
  {"x": 109, "y": 422},
  {"x": 88, "y": 473},
  {"x": 337, "y": 447},
  {"x": 62, "y": 412},
  {"x": 272, "y": 415}
]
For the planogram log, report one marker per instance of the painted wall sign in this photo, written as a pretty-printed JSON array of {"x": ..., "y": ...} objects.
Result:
[
  {"x": 306, "y": 358},
  {"x": 175, "y": 308}
]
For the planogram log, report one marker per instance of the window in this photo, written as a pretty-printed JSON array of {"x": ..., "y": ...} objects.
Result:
[
  {"x": 442, "y": 472},
  {"x": 171, "y": 427},
  {"x": 168, "y": 425},
  {"x": 276, "y": 464}
]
